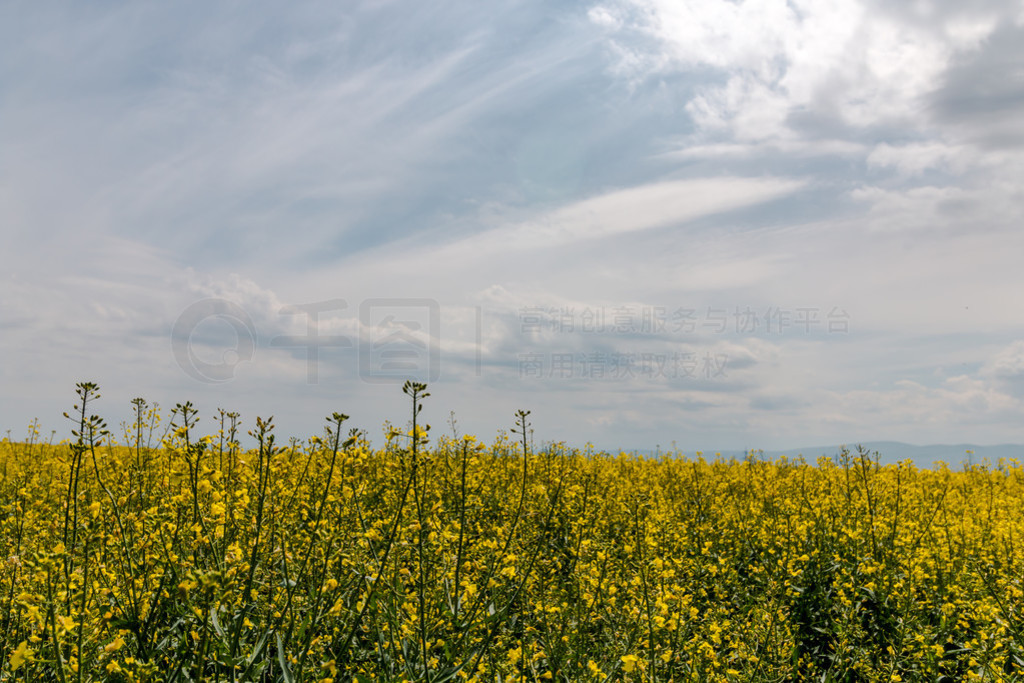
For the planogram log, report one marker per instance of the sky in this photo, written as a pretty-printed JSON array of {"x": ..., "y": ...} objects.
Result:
[{"x": 701, "y": 224}]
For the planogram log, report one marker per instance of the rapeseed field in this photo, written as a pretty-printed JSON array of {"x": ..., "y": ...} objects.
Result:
[{"x": 167, "y": 552}]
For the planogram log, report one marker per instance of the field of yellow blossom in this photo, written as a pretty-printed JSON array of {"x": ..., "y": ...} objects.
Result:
[{"x": 162, "y": 554}]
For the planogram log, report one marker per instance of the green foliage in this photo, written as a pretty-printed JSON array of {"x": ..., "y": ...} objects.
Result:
[{"x": 448, "y": 560}]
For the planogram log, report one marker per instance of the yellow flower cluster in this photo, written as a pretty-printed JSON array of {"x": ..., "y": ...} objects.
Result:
[{"x": 329, "y": 560}]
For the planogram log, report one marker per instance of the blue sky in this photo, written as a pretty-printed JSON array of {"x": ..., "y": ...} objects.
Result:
[{"x": 720, "y": 224}]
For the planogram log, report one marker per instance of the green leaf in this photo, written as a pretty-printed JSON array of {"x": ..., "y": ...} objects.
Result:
[
  {"x": 216, "y": 624},
  {"x": 282, "y": 659}
]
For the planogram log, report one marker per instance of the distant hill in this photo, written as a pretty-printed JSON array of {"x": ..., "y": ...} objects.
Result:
[{"x": 954, "y": 455}]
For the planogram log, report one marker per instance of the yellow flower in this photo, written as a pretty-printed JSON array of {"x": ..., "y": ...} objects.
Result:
[
  {"x": 629, "y": 662},
  {"x": 21, "y": 654},
  {"x": 66, "y": 622},
  {"x": 115, "y": 645}
]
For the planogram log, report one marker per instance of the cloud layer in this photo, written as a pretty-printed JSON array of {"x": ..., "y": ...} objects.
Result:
[{"x": 721, "y": 224}]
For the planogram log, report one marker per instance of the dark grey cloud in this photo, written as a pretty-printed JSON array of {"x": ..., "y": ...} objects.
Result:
[
  {"x": 982, "y": 93},
  {"x": 776, "y": 403}
]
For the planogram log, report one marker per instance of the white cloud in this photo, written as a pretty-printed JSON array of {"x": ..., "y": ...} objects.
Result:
[
  {"x": 993, "y": 208},
  {"x": 1005, "y": 369},
  {"x": 775, "y": 59},
  {"x": 793, "y": 148},
  {"x": 915, "y": 159},
  {"x": 1007, "y": 363},
  {"x": 604, "y": 18},
  {"x": 626, "y": 211}
]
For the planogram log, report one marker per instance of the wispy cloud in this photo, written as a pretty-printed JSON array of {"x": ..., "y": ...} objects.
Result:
[{"x": 857, "y": 159}]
